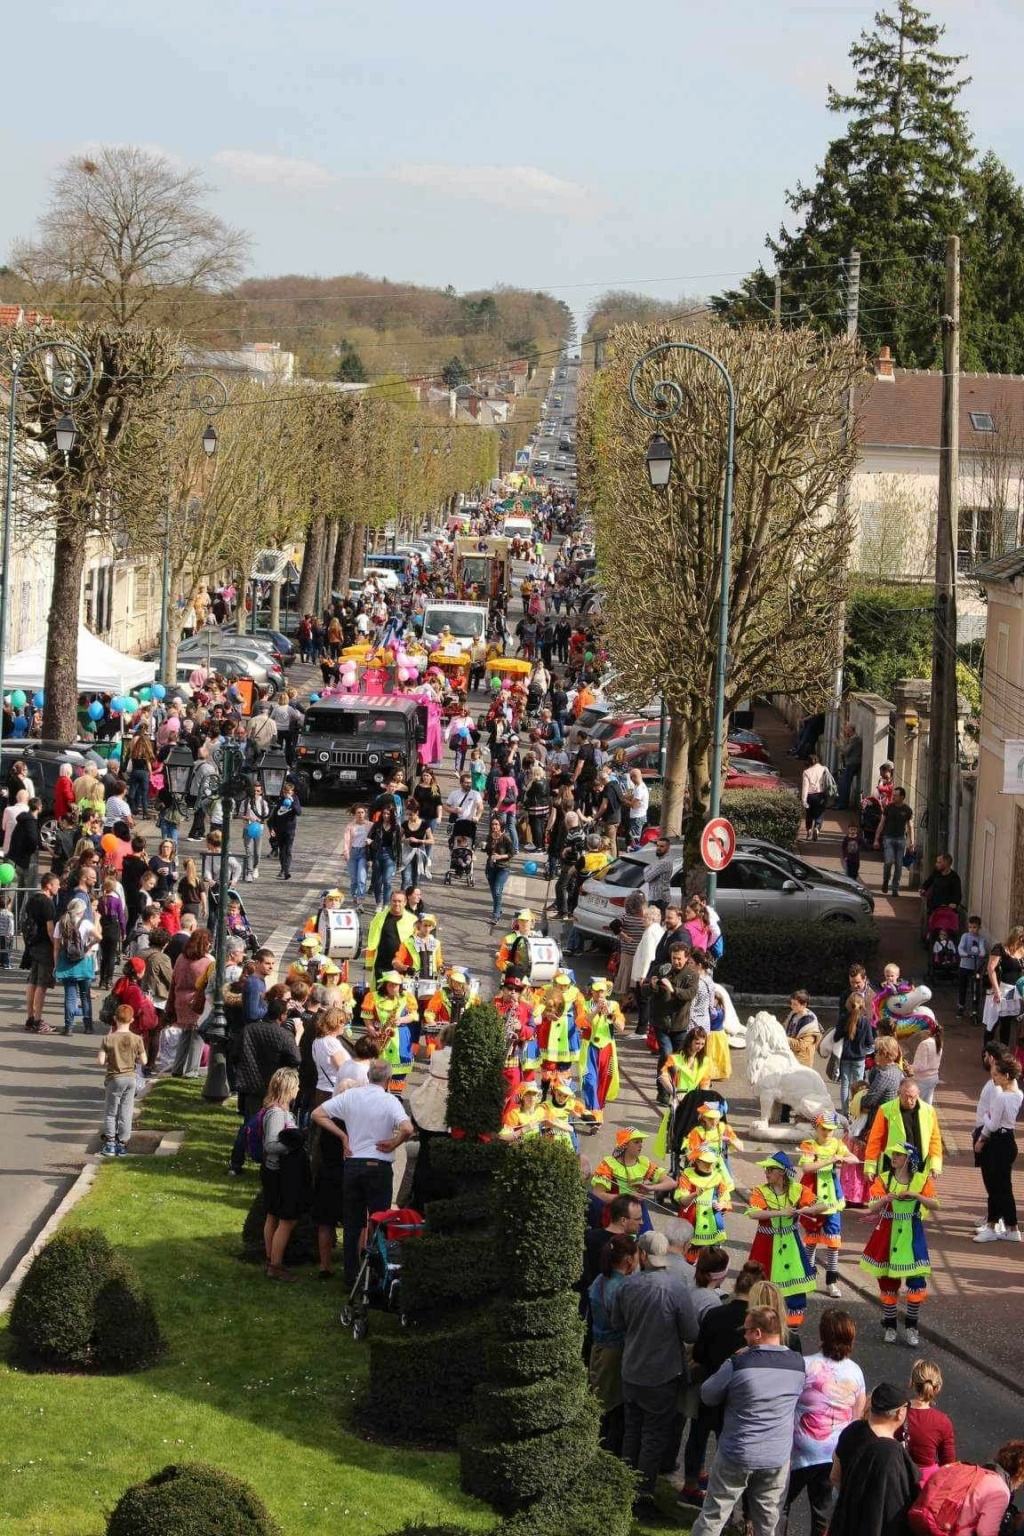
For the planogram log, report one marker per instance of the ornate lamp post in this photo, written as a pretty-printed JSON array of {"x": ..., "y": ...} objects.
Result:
[
  {"x": 667, "y": 401},
  {"x": 197, "y": 392}
]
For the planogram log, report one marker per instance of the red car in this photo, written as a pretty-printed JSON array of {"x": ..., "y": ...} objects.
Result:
[
  {"x": 752, "y": 776},
  {"x": 750, "y": 751}
]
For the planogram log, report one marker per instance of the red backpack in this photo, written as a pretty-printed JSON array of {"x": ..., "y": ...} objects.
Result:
[{"x": 936, "y": 1510}]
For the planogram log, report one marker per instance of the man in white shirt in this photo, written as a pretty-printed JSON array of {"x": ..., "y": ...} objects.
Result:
[
  {"x": 368, "y": 1124},
  {"x": 11, "y": 815},
  {"x": 637, "y": 800},
  {"x": 464, "y": 803}
]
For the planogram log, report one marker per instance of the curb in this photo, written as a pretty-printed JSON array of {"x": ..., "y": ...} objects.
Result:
[{"x": 79, "y": 1189}]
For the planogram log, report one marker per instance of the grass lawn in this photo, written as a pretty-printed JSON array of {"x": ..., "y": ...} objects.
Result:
[{"x": 259, "y": 1378}]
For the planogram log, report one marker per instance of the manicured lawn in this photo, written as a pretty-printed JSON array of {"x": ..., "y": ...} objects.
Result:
[{"x": 259, "y": 1378}]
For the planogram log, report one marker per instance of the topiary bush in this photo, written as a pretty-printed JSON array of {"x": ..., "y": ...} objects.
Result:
[
  {"x": 542, "y": 1199},
  {"x": 301, "y": 1248},
  {"x": 776, "y": 957},
  {"x": 81, "y": 1306},
  {"x": 511, "y": 1473},
  {"x": 191, "y": 1500},
  {"x": 471, "y": 1209},
  {"x": 449, "y": 1270},
  {"x": 542, "y": 1317},
  {"x": 126, "y": 1335},
  {"x": 598, "y": 1503},
  {"x": 521, "y": 1360},
  {"x": 421, "y": 1383},
  {"x": 477, "y": 1089},
  {"x": 509, "y": 1412}
]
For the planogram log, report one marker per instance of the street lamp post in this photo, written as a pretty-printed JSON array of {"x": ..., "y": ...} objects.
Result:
[
  {"x": 667, "y": 398},
  {"x": 199, "y": 392},
  {"x": 67, "y": 388},
  {"x": 235, "y": 781}
]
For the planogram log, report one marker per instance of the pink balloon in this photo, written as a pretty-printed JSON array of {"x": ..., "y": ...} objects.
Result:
[
  {"x": 403, "y": 674},
  {"x": 506, "y": 684},
  {"x": 414, "y": 673}
]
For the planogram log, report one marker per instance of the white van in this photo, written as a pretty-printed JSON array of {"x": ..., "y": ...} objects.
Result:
[
  {"x": 466, "y": 622},
  {"x": 517, "y": 528}
]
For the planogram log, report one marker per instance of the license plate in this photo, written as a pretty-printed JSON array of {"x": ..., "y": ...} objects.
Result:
[
  {"x": 348, "y": 773},
  {"x": 599, "y": 903}
]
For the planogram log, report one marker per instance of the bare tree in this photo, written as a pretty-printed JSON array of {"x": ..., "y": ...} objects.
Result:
[
  {"x": 896, "y": 530},
  {"x": 661, "y": 552},
  {"x": 126, "y": 236},
  {"x": 109, "y": 482}
]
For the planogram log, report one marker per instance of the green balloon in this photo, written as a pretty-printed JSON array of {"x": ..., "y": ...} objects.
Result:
[
  {"x": 145, "y": 694},
  {"x": 8, "y": 874},
  {"x": 496, "y": 683}
]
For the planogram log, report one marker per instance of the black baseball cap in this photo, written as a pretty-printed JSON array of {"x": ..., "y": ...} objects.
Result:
[{"x": 887, "y": 1399}]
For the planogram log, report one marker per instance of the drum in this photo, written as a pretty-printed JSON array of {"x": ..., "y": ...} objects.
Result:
[
  {"x": 545, "y": 959},
  {"x": 338, "y": 931}
]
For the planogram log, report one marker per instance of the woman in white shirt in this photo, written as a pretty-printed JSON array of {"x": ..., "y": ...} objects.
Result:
[
  {"x": 927, "y": 1061},
  {"x": 996, "y": 1148},
  {"x": 814, "y": 795},
  {"x": 329, "y": 1053}
]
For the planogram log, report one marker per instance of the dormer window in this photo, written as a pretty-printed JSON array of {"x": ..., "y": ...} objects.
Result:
[{"x": 982, "y": 421}]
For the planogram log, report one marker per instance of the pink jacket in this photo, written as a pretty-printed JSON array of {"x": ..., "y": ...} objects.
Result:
[{"x": 984, "y": 1507}]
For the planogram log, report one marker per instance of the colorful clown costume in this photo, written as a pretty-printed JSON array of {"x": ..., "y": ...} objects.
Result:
[
  {"x": 703, "y": 1191},
  {"x": 897, "y": 1250},
  {"x": 777, "y": 1244},
  {"x": 600, "y": 1020}
]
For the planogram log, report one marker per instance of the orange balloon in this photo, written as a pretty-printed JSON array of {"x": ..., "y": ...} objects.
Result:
[{"x": 108, "y": 842}]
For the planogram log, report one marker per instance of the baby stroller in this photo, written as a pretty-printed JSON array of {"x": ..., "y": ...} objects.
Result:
[
  {"x": 461, "y": 843},
  {"x": 238, "y": 925},
  {"x": 943, "y": 959},
  {"x": 870, "y": 816},
  {"x": 380, "y": 1274}
]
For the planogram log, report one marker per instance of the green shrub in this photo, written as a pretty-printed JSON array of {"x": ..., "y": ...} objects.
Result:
[
  {"x": 522, "y": 1360},
  {"x": 82, "y": 1306},
  {"x": 542, "y": 1202},
  {"x": 776, "y": 957},
  {"x": 301, "y": 1247},
  {"x": 469, "y": 1164},
  {"x": 191, "y": 1500},
  {"x": 421, "y": 1383},
  {"x": 599, "y": 1503},
  {"x": 771, "y": 814},
  {"x": 126, "y": 1334},
  {"x": 510, "y": 1413},
  {"x": 542, "y": 1317},
  {"x": 470, "y": 1209},
  {"x": 509, "y": 1474},
  {"x": 449, "y": 1270},
  {"x": 476, "y": 1081}
]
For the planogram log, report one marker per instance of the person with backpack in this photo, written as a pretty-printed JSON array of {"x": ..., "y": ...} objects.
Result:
[
  {"x": 964, "y": 1500},
  {"x": 74, "y": 947}
]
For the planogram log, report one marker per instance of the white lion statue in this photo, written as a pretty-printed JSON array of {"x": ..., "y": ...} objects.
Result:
[{"x": 776, "y": 1076}]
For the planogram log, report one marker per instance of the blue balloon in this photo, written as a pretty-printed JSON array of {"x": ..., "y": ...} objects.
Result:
[
  {"x": 158, "y": 691},
  {"x": 313, "y": 698},
  {"x": 531, "y": 867},
  {"x": 39, "y": 698},
  {"x": 253, "y": 828},
  {"x": 95, "y": 710}
]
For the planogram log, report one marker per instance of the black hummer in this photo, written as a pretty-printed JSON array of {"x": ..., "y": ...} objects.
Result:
[{"x": 355, "y": 743}]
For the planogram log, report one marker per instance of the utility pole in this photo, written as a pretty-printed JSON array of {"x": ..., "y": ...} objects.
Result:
[
  {"x": 778, "y": 300},
  {"x": 942, "y": 753},
  {"x": 842, "y": 511}
]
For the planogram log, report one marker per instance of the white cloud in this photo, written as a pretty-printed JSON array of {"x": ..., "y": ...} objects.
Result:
[
  {"x": 507, "y": 186},
  {"x": 274, "y": 170}
]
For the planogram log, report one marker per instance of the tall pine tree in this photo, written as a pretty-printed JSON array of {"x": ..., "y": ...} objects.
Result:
[{"x": 894, "y": 186}]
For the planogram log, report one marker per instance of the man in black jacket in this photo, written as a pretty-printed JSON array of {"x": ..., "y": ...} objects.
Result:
[
  {"x": 673, "y": 989},
  {"x": 263, "y": 1047},
  {"x": 23, "y": 848}
]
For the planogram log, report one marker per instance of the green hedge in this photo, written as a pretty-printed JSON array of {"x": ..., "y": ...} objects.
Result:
[
  {"x": 476, "y": 1081},
  {"x": 542, "y": 1317},
  {"x": 467, "y": 1210},
  {"x": 448, "y": 1271},
  {"x": 523, "y": 1360},
  {"x": 467, "y": 1163},
  {"x": 421, "y": 1384},
  {"x": 777, "y": 957},
  {"x": 511, "y": 1474},
  {"x": 82, "y": 1306},
  {"x": 542, "y": 1202},
  {"x": 598, "y": 1503},
  {"x": 510, "y": 1413},
  {"x": 772, "y": 814},
  {"x": 191, "y": 1500}
]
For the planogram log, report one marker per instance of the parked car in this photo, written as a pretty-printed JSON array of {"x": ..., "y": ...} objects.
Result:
[
  {"x": 238, "y": 645},
  {"x": 284, "y": 648},
  {"x": 750, "y": 886},
  {"x": 230, "y": 665},
  {"x": 799, "y": 868},
  {"x": 44, "y": 760},
  {"x": 748, "y": 776}
]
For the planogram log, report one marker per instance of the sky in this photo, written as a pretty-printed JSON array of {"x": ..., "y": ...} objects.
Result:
[{"x": 570, "y": 146}]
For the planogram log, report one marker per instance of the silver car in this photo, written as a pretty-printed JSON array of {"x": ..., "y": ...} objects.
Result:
[{"x": 750, "y": 886}]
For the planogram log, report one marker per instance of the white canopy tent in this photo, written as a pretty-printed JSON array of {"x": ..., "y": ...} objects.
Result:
[{"x": 101, "y": 669}]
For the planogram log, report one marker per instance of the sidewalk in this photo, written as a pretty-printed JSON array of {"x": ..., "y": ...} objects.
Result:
[{"x": 973, "y": 1305}]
